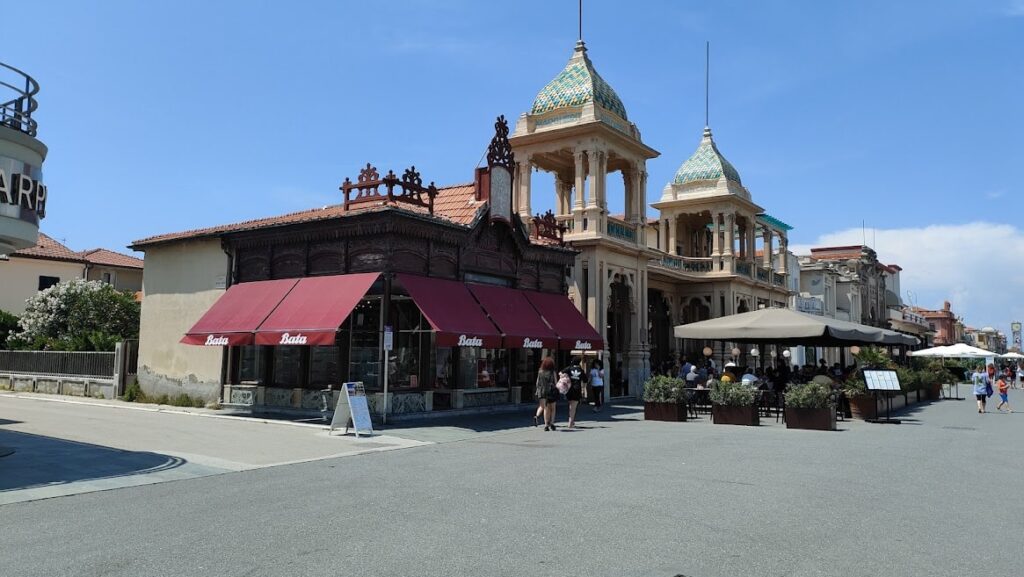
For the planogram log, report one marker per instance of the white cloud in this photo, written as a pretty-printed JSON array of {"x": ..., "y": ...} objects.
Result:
[
  {"x": 995, "y": 194},
  {"x": 975, "y": 266}
]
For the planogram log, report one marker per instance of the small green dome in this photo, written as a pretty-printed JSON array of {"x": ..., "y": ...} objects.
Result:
[
  {"x": 577, "y": 84},
  {"x": 706, "y": 164}
]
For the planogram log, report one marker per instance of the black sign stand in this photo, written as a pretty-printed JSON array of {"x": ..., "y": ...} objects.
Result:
[{"x": 886, "y": 381}]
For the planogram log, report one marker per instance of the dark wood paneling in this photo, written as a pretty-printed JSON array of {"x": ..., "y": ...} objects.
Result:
[
  {"x": 254, "y": 264},
  {"x": 327, "y": 257}
]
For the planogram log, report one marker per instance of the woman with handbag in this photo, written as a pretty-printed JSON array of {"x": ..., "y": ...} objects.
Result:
[
  {"x": 983, "y": 386},
  {"x": 546, "y": 393}
]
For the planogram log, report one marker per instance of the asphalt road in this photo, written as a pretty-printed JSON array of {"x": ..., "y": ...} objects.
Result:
[{"x": 936, "y": 496}]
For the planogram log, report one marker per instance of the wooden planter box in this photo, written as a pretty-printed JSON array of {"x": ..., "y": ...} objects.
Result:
[
  {"x": 672, "y": 412},
  {"x": 863, "y": 407},
  {"x": 935, "y": 392},
  {"x": 815, "y": 419},
  {"x": 726, "y": 415}
]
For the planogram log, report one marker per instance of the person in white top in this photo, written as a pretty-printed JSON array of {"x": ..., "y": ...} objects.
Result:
[
  {"x": 597, "y": 383},
  {"x": 691, "y": 377}
]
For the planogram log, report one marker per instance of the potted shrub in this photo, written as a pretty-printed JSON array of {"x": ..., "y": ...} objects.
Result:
[
  {"x": 862, "y": 402},
  {"x": 664, "y": 399},
  {"x": 733, "y": 403},
  {"x": 909, "y": 381},
  {"x": 810, "y": 406},
  {"x": 933, "y": 377}
]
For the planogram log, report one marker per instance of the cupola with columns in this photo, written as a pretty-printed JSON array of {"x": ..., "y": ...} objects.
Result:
[
  {"x": 578, "y": 130},
  {"x": 710, "y": 222}
]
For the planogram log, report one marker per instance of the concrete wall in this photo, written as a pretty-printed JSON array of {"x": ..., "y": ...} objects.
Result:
[
  {"x": 123, "y": 279},
  {"x": 21, "y": 279},
  {"x": 181, "y": 283}
]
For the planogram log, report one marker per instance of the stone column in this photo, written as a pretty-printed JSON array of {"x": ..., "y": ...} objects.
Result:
[
  {"x": 524, "y": 189},
  {"x": 767, "y": 248},
  {"x": 751, "y": 241},
  {"x": 672, "y": 224},
  {"x": 628, "y": 186},
  {"x": 743, "y": 241},
  {"x": 783, "y": 249},
  {"x": 593, "y": 167},
  {"x": 579, "y": 199},
  {"x": 716, "y": 231},
  {"x": 730, "y": 241}
]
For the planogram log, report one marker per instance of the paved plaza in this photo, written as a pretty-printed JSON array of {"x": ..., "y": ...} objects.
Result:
[{"x": 478, "y": 496}]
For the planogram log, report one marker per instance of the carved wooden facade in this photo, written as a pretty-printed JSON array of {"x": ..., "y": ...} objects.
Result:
[{"x": 394, "y": 240}]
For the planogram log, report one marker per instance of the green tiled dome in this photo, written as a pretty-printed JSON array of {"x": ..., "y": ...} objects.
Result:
[
  {"x": 706, "y": 164},
  {"x": 577, "y": 84}
]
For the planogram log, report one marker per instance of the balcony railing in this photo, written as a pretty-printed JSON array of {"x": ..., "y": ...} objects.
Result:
[
  {"x": 17, "y": 99},
  {"x": 686, "y": 263},
  {"x": 762, "y": 274},
  {"x": 622, "y": 230},
  {"x": 743, "y": 268},
  {"x": 779, "y": 279}
]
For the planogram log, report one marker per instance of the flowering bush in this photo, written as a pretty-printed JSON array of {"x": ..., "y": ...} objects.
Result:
[{"x": 77, "y": 315}]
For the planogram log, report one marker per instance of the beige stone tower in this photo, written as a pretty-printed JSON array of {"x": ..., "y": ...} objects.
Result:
[{"x": 578, "y": 130}]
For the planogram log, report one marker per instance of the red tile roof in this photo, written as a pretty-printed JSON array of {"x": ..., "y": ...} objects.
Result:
[
  {"x": 102, "y": 256},
  {"x": 455, "y": 204},
  {"x": 49, "y": 249}
]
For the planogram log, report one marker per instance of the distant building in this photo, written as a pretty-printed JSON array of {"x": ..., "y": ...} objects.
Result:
[
  {"x": 947, "y": 328},
  {"x": 860, "y": 282},
  {"x": 30, "y": 270},
  {"x": 987, "y": 338}
]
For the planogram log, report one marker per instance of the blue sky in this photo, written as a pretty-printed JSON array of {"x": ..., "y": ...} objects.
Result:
[{"x": 164, "y": 116}]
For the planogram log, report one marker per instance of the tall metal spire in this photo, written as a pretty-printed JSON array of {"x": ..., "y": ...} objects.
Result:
[
  {"x": 707, "y": 80},
  {"x": 579, "y": 37}
]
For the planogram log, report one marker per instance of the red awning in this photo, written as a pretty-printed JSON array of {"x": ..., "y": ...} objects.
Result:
[
  {"x": 515, "y": 316},
  {"x": 452, "y": 312},
  {"x": 314, "y": 309},
  {"x": 236, "y": 314},
  {"x": 574, "y": 332}
]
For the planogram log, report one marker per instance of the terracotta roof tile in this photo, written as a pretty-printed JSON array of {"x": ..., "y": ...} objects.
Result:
[
  {"x": 453, "y": 203},
  {"x": 48, "y": 248},
  {"x": 103, "y": 256}
]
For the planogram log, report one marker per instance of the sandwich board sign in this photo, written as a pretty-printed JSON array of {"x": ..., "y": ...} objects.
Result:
[{"x": 354, "y": 409}]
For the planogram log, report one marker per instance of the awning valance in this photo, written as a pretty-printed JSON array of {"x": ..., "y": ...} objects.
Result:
[
  {"x": 521, "y": 324},
  {"x": 452, "y": 312},
  {"x": 312, "y": 311},
  {"x": 237, "y": 314},
  {"x": 574, "y": 332}
]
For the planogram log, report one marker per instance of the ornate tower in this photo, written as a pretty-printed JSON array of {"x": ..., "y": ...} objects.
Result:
[{"x": 578, "y": 130}]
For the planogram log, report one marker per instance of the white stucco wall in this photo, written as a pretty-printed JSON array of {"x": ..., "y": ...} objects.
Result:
[
  {"x": 181, "y": 282},
  {"x": 19, "y": 279},
  {"x": 124, "y": 279}
]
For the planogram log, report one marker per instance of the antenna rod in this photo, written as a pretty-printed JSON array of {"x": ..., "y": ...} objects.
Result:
[
  {"x": 580, "y": 37},
  {"x": 707, "y": 78}
]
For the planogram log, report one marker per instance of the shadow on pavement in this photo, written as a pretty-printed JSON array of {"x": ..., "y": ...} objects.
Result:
[{"x": 41, "y": 461}]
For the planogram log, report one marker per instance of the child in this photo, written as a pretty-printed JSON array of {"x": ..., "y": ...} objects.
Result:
[{"x": 1003, "y": 387}]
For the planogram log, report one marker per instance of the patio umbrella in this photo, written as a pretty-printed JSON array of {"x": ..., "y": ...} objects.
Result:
[
  {"x": 787, "y": 327},
  {"x": 1012, "y": 355},
  {"x": 932, "y": 352},
  {"x": 964, "y": 351}
]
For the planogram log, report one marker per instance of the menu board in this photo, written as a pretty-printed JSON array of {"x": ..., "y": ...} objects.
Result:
[
  {"x": 353, "y": 406},
  {"x": 881, "y": 380}
]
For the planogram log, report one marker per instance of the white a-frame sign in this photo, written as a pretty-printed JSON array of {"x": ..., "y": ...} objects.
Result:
[{"x": 353, "y": 409}]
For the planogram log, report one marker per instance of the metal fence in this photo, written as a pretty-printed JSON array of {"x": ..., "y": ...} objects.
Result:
[{"x": 80, "y": 364}]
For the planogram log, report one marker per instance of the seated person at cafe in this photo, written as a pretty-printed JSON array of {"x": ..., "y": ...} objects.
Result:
[{"x": 691, "y": 377}]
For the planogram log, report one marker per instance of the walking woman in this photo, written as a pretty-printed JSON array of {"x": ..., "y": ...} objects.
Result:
[
  {"x": 575, "y": 393},
  {"x": 597, "y": 383},
  {"x": 546, "y": 393},
  {"x": 983, "y": 386}
]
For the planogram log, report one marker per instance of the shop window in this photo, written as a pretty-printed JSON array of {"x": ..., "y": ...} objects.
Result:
[
  {"x": 252, "y": 362},
  {"x": 482, "y": 368},
  {"x": 288, "y": 369},
  {"x": 323, "y": 367},
  {"x": 46, "y": 282},
  {"x": 364, "y": 348}
]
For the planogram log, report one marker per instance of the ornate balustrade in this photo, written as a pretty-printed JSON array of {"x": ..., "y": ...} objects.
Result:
[
  {"x": 744, "y": 268},
  {"x": 622, "y": 230},
  {"x": 686, "y": 263},
  {"x": 779, "y": 279},
  {"x": 763, "y": 274}
]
